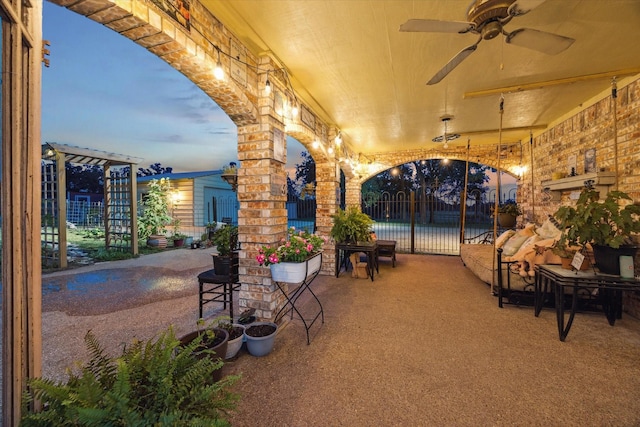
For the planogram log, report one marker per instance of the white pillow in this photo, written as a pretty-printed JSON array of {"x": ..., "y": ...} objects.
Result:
[
  {"x": 502, "y": 239},
  {"x": 513, "y": 244},
  {"x": 548, "y": 230}
]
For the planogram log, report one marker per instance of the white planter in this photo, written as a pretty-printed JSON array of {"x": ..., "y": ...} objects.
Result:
[
  {"x": 233, "y": 346},
  {"x": 295, "y": 272}
]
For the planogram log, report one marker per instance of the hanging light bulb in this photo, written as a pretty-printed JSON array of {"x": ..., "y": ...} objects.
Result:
[
  {"x": 218, "y": 72},
  {"x": 339, "y": 138},
  {"x": 330, "y": 150},
  {"x": 316, "y": 144},
  {"x": 445, "y": 145},
  {"x": 294, "y": 108},
  {"x": 267, "y": 86}
]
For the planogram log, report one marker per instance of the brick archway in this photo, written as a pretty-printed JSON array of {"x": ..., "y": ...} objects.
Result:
[{"x": 190, "y": 51}]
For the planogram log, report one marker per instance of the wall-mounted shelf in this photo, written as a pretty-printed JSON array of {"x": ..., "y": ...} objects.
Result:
[{"x": 601, "y": 182}]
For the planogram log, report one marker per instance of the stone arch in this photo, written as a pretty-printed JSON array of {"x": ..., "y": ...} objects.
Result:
[
  {"x": 190, "y": 52},
  {"x": 306, "y": 137},
  {"x": 486, "y": 155}
]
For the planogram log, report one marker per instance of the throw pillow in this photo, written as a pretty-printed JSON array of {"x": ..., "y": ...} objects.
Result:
[
  {"x": 502, "y": 239},
  {"x": 524, "y": 249},
  {"x": 548, "y": 230},
  {"x": 513, "y": 244}
]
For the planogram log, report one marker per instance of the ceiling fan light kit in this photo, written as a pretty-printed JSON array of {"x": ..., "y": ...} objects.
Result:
[{"x": 487, "y": 18}]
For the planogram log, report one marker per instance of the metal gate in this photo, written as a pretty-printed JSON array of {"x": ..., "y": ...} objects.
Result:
[{"x": 429, "y": 222}]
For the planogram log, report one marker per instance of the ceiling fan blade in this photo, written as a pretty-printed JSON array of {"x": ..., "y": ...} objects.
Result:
[
  {"x": 544, "y": 42},
  {"x": 435, "y": 26},
  {"x": 453, "y": 63},
  {"x": 520, "y": 7}
]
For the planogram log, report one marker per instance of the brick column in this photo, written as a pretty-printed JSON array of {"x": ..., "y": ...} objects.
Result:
[
  {"x": 353, "y": 196},
  {"x": 262, "y": 218},
  {"x": 327, "y": 202}
]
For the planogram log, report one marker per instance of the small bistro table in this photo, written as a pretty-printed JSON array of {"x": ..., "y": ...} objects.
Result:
[
  {"x": 343, "y": 250},
  {"x": 554, "y": 278}
]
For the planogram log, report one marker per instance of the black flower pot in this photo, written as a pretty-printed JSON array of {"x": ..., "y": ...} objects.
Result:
[
  {"x": 608, "y": 259},
  {"x": 222, "y": 265}
]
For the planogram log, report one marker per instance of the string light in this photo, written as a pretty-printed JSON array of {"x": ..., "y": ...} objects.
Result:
[
  {"x": 338, "y": 139},
  {"x": 267, "y": 85},
  {"x": 218, "y": 72}
]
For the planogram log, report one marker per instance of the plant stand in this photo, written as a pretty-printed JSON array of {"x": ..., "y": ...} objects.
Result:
[{"x": 292, "y": 297}]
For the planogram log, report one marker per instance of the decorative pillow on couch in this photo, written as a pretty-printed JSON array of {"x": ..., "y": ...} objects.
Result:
[
  {"x": 513, "y": 244},
  {"x": 524, "y": 249},
  {"x": 502, "y": 239},
  {"x": 548, "y": 230}
]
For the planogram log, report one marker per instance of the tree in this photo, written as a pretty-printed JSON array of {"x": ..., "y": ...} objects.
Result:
[
  {"x": 305, "y": 175},
  {"x": 84, "y": 178},
  {"x": 154, "y": 169}
]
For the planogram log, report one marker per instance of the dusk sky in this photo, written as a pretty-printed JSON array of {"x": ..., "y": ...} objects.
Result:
[{"x": 105, "y": 92}]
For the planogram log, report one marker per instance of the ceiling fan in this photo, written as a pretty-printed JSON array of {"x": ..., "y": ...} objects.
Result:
[{"x": 487, "y": 18}]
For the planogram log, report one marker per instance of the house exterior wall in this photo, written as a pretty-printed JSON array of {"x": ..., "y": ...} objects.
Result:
[{"x": 190, "y": 206}]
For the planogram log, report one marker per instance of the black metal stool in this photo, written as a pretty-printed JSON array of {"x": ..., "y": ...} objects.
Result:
[{"x": 218, "y": 287}]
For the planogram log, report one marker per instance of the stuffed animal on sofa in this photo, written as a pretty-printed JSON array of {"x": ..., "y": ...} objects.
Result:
[{"x": 541, "y": 254}]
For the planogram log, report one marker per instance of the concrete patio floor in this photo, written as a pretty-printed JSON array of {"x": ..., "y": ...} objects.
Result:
[{"x": 424, "y": 344}]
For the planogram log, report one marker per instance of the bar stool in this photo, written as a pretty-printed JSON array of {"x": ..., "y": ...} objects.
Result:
[{"x": 215, "y": 287}]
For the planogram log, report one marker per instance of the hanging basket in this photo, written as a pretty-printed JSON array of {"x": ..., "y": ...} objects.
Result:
[{"x": 295, "y": 272}]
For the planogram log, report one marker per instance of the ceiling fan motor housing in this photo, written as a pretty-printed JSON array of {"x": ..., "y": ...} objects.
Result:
[{"x": 489, "y": 16}]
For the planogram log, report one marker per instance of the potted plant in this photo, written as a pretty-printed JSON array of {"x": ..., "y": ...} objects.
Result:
[
  {"x": 210, "y": 228},
  {"x": 260, "y": 338},
  {"x": 152, "y": 224},
  {"x": 225, "y": 239},
  {"x": 351, "y": 226},
  {"x": 296, "y": 257},
  {"x": 177, "y": 237},
  {"x": 230, "y": 175},
  {"x": 211, "y": 341},
  {"x": 236, "y": 336},
  {"x": 566, "y": 253},
  {"x": 154, "y": 383},
  {"x": 605, "y": 225},
  {"x": 508, "y": 211}
]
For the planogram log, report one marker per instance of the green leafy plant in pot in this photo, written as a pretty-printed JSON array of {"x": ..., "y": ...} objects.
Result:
[
  {"x": 508, "y": 211},
  {"x": 351, "y": 226},
  {"x": 606, "y": 225},
  {"x": 158, "y": 382},
  {"x": 210, "y": 341},
  {"x": 225, "y": 239},
  {"x": 152, "y": 224}
]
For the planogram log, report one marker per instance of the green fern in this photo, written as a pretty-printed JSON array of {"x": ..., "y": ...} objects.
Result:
[{"x": 157, "y": 383}]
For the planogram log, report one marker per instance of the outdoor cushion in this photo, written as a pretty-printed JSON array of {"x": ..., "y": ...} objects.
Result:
[
  {"x": 502, "y": 239},
  {"x": 513, "y": 244},
  {"x": 548, "y": 230}
]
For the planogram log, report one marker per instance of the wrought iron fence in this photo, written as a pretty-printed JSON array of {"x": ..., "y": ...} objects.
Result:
[{"x": 429, "y": 222}]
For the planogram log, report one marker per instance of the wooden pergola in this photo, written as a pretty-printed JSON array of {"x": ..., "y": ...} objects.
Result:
[{"x": 120, "y": 204}]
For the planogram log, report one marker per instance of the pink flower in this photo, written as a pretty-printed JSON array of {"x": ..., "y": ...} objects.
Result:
[
  {"x": 261, "y": 258},
  {"x": 273, "y": 258}
]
